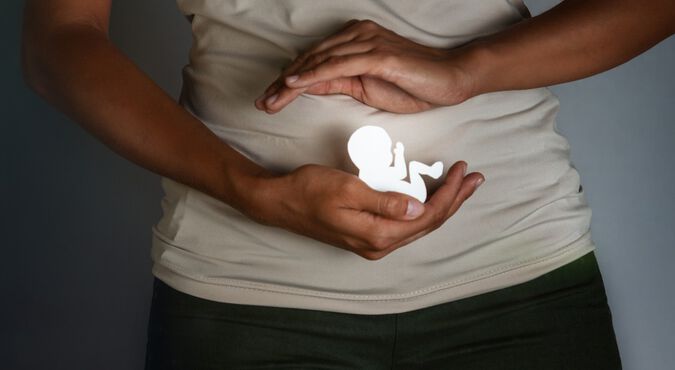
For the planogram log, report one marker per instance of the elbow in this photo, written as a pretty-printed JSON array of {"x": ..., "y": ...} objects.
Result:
[{"x": 48, "y": 53}]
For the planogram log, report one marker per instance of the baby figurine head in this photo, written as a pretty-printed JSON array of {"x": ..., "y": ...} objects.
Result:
[{"x": 370, "y": 148}]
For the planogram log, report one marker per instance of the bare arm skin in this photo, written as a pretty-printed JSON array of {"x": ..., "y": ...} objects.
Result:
[
  {"x": 574, "y": 39},
  {"x": 68, "y": 59}
]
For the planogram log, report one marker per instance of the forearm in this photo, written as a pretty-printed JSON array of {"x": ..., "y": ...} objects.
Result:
[
  {"x": 575, "y": 39},
  {"x": 79, "y": 71}
]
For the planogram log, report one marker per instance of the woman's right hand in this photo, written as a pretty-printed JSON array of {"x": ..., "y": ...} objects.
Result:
[{"x": 339, "y": 209}]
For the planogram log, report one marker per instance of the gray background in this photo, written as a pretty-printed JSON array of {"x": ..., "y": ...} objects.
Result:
[{"x": 76, "y": 217}]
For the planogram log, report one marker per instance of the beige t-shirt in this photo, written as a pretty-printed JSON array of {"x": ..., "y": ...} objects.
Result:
[{"x": 529, "y": 217}]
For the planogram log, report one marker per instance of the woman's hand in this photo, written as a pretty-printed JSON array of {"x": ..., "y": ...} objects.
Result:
[
  {"x": 376, "y": 67},
  {"x": 339, "y": 209}
]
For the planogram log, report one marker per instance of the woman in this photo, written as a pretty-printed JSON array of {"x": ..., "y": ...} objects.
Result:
[{"x": 272, "y": 253}]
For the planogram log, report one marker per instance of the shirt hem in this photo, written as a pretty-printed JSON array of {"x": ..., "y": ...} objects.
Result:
[{"x": 250, "y": 293}]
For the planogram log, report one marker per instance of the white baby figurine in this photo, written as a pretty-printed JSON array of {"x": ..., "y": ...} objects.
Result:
[{"x": 370, "y": 149}]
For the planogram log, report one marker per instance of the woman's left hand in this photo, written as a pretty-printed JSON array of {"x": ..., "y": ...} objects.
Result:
[{"x": 376, "y": 67}]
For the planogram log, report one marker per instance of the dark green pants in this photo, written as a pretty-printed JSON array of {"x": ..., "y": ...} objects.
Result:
[{"x": 558, "y": 321}]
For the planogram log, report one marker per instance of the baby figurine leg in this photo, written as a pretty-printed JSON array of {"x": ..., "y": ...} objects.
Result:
[{"x": 417, "y": 169}]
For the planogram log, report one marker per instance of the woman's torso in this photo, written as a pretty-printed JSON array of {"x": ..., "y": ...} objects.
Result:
[{"x": 528, "y": 218}]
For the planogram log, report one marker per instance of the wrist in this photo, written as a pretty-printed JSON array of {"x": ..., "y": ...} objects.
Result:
[
  {"x": 464, "y": 68},
  {"x": 248, "y": 191},
  {"x": 235, "y": 180},
  {"x": 476, "y": 63},
  {"x": 254, "y": 191},
  {"x": 261, "y": 196}
]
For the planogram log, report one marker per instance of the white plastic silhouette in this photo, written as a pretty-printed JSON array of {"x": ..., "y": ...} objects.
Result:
[{"x": 370, "y": 149}]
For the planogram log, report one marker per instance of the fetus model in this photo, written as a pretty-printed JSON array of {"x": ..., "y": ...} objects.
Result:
[{"x": 370, "y": 149}]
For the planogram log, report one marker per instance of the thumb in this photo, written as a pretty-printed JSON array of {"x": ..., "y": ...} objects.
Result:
[{"x": 393, "y": 205}]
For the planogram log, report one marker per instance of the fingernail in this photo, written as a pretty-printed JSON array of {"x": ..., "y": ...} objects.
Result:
[
  {"x": 291, "y": 79},
  {"x": 480, "y": 182},
  {"x": 271, "y": 99},
  {"x": 414, "y": 209}
]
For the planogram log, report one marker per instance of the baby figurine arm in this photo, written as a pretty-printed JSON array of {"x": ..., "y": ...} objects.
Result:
[{"x": 399, "y": 169}]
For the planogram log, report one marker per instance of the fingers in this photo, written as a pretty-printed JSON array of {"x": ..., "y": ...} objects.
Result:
[
  {"x": 445, "y": 195},
  {"x": 337, "y": 38},
  {"x": 442, "y": 205},
  {"x": 366, "y": 50},
  {"x": 342, "y": 68},
  {"x": 457, "y": 188},
  {"x": 271, "y": 93},
  {"x": 279, "y": 99},
  {"x": 392, "y": 205},
  {"x": 356, "y": 37},
  {"x": 469, "y": 185},
  {"x": 339, "y": 66},
  {"x": 357, "y": 47},
  {"x": 437, "y": 207},
  {"x": 377, "y": 223}
]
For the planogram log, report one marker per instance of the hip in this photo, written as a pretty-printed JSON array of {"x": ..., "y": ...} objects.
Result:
[{"x": 559, "y": 320}]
